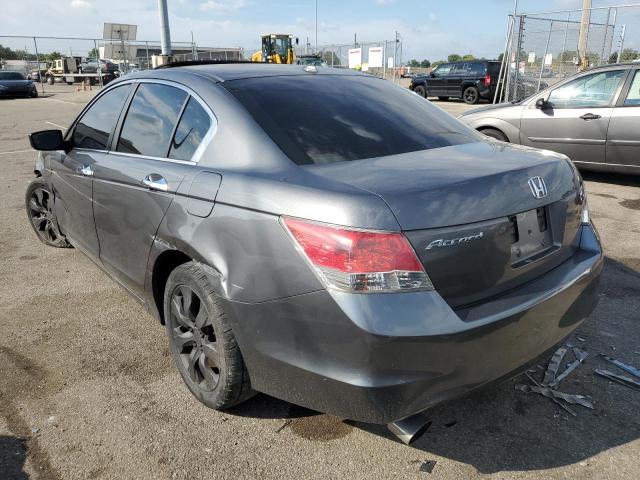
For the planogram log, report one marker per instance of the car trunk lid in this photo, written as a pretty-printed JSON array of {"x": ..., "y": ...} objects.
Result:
[{"x": 470, "y": 214}]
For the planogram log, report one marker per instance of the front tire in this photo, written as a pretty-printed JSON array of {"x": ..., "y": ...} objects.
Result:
[
  {"x": 39, "y": 204},
  {"x": 420, "y": 90},
  {"x": 471, "y": 95},
  {"x": 202, "y": 341}
]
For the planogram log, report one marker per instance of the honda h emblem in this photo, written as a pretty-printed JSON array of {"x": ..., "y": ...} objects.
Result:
[{"x": 538, "y": 187}]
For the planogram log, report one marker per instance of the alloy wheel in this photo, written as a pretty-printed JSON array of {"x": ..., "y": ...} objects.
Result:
[
  {"x": 470, "y": 96},
  {"x": 194, "y": 338},
  {"x": 42, "y": 217}
]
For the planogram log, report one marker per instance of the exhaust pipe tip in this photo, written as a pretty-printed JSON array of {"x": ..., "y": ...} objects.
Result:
[{"x": 410, "y": 428}]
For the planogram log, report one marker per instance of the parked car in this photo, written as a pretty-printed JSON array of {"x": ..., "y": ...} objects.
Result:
[
  {"x": 91, "y": 65},
  {"x": 470, "y": 81},
  {"x": 311, "y": 59},
  {"x": 356, "y": 251},
  {"x": 593, "y": 117},
  {"x": 14, "y": 84}
]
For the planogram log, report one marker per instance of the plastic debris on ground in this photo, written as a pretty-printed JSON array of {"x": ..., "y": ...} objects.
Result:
[
  {"x": 427, "y": 467},
  {"x": 621, "y": 379},
  {"x": 548, "y": 387}
]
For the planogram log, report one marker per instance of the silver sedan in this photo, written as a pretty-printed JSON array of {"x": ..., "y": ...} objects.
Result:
[{"x": 593, "y": 117}]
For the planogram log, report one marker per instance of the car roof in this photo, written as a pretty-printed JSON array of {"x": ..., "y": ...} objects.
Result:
[{"x": 240, "y": 70}]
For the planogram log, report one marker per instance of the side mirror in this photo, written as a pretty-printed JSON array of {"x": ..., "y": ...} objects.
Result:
[
  {"x": 542, "y": 104},
  {"x": 432, "y": 74},
  {"x": 46, "y": 140}
]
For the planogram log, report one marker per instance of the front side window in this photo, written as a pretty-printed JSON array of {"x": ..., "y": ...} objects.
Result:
[
  {"x": 346, "y": 118},
  {"x": 150, "y": 122},
  {"x": 633, "y": 97},
  {"x": 442, "y": 70},
  {"x": 194, "y": 125},
  {"x": 595, "y": 90},
  {"x": 94, "y": 128}
]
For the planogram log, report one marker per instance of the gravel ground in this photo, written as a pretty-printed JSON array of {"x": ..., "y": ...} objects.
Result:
[{"x": 88, "y": 389}]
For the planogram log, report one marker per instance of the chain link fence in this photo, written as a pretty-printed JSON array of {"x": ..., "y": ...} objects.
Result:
[
  {"x": 381, "y": 58},
  {"x": 34, "y": 56},
  {"x": 544, "y": 48}
]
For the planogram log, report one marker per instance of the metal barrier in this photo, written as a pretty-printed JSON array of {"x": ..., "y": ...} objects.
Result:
[{"x": 546, "y": 47}]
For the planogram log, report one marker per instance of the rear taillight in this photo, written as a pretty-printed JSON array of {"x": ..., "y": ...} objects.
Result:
[
  {"x": 487, "y": 80},
  {"x": 359, "y": 260}
]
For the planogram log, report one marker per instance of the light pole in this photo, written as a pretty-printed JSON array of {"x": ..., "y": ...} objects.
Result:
[
  {"x": 165, "y": 34},
  {"x": 316, "y": 26}
]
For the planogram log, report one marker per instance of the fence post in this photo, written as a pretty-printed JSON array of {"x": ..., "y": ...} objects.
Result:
[
  {"x": 99, "y": 69},
  {"x": 35, "y": 44},
  {"x": 546, "y": 49},
  {"x": 500, "y": 82},
  {"x": 604, "y": 37},
  {"x": 624, "y": 27},
  {"x": 384, "y": 60},
  {"x": 146, "y": 45},
  {"x": 564, "y": 44}
]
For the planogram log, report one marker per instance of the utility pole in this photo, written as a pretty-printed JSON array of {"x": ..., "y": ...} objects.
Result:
[
  {"x": 165, "y": 34},
  {"x": 583, "y": 39},
  {"x": 316, "y": 26}
]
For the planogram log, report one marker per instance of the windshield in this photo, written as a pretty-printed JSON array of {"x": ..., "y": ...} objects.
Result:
[
  {"x": 11, "y": 76},
  {"x": 333, "y": 118}
]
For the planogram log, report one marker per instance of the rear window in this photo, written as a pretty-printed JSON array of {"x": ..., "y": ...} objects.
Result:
[
  {"x": 11, "y": 76},
  {"x": 332, "y": 118}
]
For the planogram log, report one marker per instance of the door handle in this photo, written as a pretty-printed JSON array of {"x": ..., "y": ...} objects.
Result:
[
  {"x": 87, "y": 171},
  {"x": 155, "y": 181},
  {"x": 590, "y": 116}
]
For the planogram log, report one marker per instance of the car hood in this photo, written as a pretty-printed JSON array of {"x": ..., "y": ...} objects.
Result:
[
  {"x": 490, "y": 108},
  {"x": 458, "y": 184}
]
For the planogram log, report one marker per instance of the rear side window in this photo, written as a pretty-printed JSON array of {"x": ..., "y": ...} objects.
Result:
[
  {"x": 193, "y": 126},
  {"x": 333, "y": 118},
  {"x": 95, "y": 126},
  {"x": 459, "y": 69},
  {"x": 478, "y": 69},
  {"x": 633, "y": 97},
  {"x": 151, "y": 120}
]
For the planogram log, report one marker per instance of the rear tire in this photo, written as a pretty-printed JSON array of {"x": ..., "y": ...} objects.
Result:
[
  {"x": 471, "y": 95},
  {"x": 420, "y": 90},
  {"x": 495, "y": 133},
  {"x": 202, "y": 341},
  {"x": 39, "y": 204}
]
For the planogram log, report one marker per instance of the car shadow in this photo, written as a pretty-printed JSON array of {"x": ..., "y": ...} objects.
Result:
[
  {"x": 615, "y": 178},
  {"x": 499, "y": 429},
  {"x": 13, "y": 455}
]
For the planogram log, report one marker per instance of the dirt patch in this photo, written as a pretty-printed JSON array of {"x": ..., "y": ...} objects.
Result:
[{"x": 321, "y": 428}]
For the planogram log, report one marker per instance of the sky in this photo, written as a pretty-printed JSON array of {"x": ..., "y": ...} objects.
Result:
[{"x": 430, "y": 29}]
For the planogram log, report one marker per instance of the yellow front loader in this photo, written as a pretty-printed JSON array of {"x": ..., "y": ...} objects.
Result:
[{"x": 276, "y": 48}]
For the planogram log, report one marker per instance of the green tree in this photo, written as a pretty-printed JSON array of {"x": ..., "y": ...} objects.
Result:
[
  {"x": 500, "y": 57},
  {"x": 93, "y": 53},
  {"x": 454, "y": 57},
  {"x": 629, "y": 55},
  {"x": 425, "y": 63},
  {"x": 613, "y": 58},
  {"x": 414, "y": 63},
  {"x": 7, "y": 54},
  {"x": 51, "y": 56},
  {"x": 468, "y": 56}
]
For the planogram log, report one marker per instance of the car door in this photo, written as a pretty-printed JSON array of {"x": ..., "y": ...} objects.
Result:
[
  {"x": 576, "y": 117},
  {"x": 454, "y": 81},
  {"x": 437, "y": 81},
  {"x": 623, "y": 137},
  {"x": 72, "y": 172},
  {"x": 135, "y": 183}
]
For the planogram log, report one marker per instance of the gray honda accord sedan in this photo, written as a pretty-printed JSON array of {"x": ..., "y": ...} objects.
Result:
[{"x": 320, "y": 235}]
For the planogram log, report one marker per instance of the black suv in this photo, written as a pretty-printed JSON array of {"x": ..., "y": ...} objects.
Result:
[{"x": 471, "y": 81}]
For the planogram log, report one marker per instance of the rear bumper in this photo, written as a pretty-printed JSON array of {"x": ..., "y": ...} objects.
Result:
[{"x": 381, "y": 357}]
